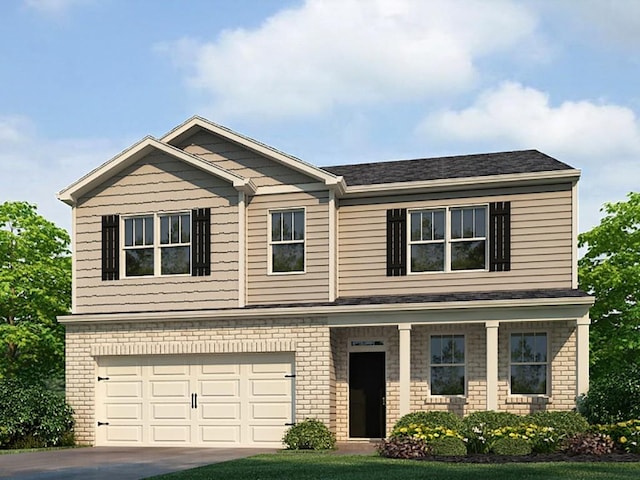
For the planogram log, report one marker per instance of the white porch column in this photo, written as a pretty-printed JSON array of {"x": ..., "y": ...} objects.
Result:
[
  {"x": 405, "y": 368},
  {"x": 492, "y": 364},
  {"x": 582, "y": 355}
]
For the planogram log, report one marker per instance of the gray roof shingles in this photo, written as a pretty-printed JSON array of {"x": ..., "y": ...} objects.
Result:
[{"x": 480, "y": 165}]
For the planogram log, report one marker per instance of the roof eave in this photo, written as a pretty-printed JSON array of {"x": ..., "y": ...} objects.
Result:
[
  {"x": 464, "y": 183},
  {"x": 323, "y": 310}
]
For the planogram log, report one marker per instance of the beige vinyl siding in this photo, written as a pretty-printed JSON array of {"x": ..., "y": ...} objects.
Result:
[
  {"x": 313, "y": 285},
  {"x": 155, "y": 184},
  {"x": 541, "y": 245},
  {"x": 241, "y": 161}
]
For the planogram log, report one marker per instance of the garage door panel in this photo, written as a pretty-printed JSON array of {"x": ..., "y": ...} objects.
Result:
[
  {"x": 220, "y": 388},
  {"x": 124, "y": 411},
  {"x": 220, "y": 369},
  {"x": 171, "y": 434},
  {"x": 271, "y": 411},
  {"x": 270, "y": 368},
  {"x": 219, "y": 411},
  {"x": 280, "y": 388},
  {"x": 267, "y": 434},
  {"x": 124, "y": 433},
  {"x": 170, "y": 411},
  {"x": 160, "y": 370},
  {"x": 170, "y": 389},
  {"x": 115, "y": 389},
  {"x": 220, "y": 434}
]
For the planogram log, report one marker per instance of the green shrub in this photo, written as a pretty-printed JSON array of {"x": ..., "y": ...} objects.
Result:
[
  {"x": 588, "y": 444},
  {"x": 448, "y": 447},
  {"x": 626, "y": 435},
  {"x": 447, "y": 420},
  {"x": 310, "y": 434},
  {"x": 511, "y": 446},
  {"x": 32, "y": 416},
  {"x": 477, "y": 428},
  {"x": 404, "y": 447},
  {"x": 567, "y": 423},
  {"x": 613, "y": 398}
]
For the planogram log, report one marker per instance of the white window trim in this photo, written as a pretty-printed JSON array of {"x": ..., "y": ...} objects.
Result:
[
  {"x": 270, "y": 243},
  {"x": 547, "y": 394},
  {"x": 466, "y": 379},
  {"x": 156, "y": 245},
  {"x": 448, "y": 240}
]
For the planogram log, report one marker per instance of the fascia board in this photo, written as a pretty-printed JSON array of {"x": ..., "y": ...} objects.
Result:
[
  {"x": 580, "y": 303},
  {"x": 174, "y": 136},
  {"x": 128, "y": 157},
  {"x": 453, "y": 184}
]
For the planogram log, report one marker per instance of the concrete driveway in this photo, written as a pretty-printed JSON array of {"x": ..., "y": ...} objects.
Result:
[{"x": 113, "y": 463}]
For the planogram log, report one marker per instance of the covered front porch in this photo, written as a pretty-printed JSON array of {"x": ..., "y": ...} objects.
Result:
[{"x": 385, "y": 364}]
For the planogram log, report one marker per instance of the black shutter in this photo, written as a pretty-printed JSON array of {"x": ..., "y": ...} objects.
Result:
[
  {"x": 500, "y": 237},
  {"x": 201, "y": 242},
  {"x": 396, "y": 242},
  {"x": 110, "y": 247}
]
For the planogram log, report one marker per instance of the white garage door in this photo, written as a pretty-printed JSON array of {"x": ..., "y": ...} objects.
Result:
[{"x": 202, "y": 400}]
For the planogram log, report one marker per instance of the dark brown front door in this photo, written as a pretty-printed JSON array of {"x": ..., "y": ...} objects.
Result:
[{"x": 367, "y": 415}]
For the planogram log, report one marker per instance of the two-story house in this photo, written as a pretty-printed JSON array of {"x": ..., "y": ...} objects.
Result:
[{"x": 223, "y": 290}]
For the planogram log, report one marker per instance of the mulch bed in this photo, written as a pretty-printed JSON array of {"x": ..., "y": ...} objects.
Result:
[{"x": 548, "y": 457}]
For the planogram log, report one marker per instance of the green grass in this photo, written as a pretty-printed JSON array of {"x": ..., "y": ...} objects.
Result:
[{"x": 306, "y": 466}]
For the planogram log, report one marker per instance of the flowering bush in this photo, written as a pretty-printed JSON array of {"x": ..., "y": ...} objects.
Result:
[
  {"x": 424, "y": 432},
  {"x": 626, "y": 435}
]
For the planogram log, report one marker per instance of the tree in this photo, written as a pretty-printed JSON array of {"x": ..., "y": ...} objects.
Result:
[
  {"x": 35, "y": 287},
  {"x": 610, "y": 270}
]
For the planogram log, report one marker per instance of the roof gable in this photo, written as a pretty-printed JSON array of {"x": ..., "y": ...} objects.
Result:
[
  {"x": 138, "y": 151},
  {"x": 196, "y": 123}
]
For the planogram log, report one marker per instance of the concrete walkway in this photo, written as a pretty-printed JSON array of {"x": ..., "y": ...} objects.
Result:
[{"x": 113, "y": 463}]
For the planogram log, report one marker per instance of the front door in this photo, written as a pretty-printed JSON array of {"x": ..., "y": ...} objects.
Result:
[{"x": 367, "y": 416}]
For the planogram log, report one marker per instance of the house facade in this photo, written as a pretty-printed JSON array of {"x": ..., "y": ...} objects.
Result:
[{"x": 224, "y": 290}]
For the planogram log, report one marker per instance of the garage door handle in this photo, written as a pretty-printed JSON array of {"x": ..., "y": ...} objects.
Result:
[
  {"x": 194, "y": 400},
  {"x": 102, "y": 423}
]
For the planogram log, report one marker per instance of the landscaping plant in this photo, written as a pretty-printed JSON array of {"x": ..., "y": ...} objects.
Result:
[{"x": 310, "y": 434}]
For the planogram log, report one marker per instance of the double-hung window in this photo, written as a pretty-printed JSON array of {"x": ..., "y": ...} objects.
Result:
[
  {"x": 149, "y": 250},
  {"x": 529, "y": 364},
  {"x": 287, "y": 241},
  {"x": 444, "y": 240},
  {"x": 447, "y": 370}
]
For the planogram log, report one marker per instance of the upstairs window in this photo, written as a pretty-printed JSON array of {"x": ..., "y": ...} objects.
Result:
[
  {"x": 166, "y": 250},
  {"x": 175, "y": 244},
  {"x": 287, "y": 241},
  {"x": 138, "y": 246},
  {"x": 443, "y": 240}
]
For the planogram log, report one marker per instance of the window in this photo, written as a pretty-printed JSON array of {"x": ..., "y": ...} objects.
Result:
[
  {"x": 447, "y": 365},
  {"x": 468, "y": 238},
  {"x": 175, "y": 243},
  {"x": 138, "y": 246},
  {"x": 145, "y": 254},
  {"x": 448, "y": 239},
  {"x": 529, "y": 363},
  {"x": 427, "y": 241},
  {"x": 287, "y": 241}
]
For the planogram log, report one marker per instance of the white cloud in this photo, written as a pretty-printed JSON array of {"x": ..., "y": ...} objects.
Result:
[
  {"x": 601, "y": 139},
  {"x": 327, "y": 53},
  {"x": 34, "y": 169}
]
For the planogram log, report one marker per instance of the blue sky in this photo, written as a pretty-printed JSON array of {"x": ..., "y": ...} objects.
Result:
[{"x": 330, "y": 81}]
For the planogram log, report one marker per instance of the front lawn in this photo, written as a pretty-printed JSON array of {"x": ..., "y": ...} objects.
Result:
[{"x": 306, "y": 466}]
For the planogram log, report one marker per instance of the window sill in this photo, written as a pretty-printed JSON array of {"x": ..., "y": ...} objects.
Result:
[
  {"x": 445, "y": 400},
  {"x": 529, "y": 400}
]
